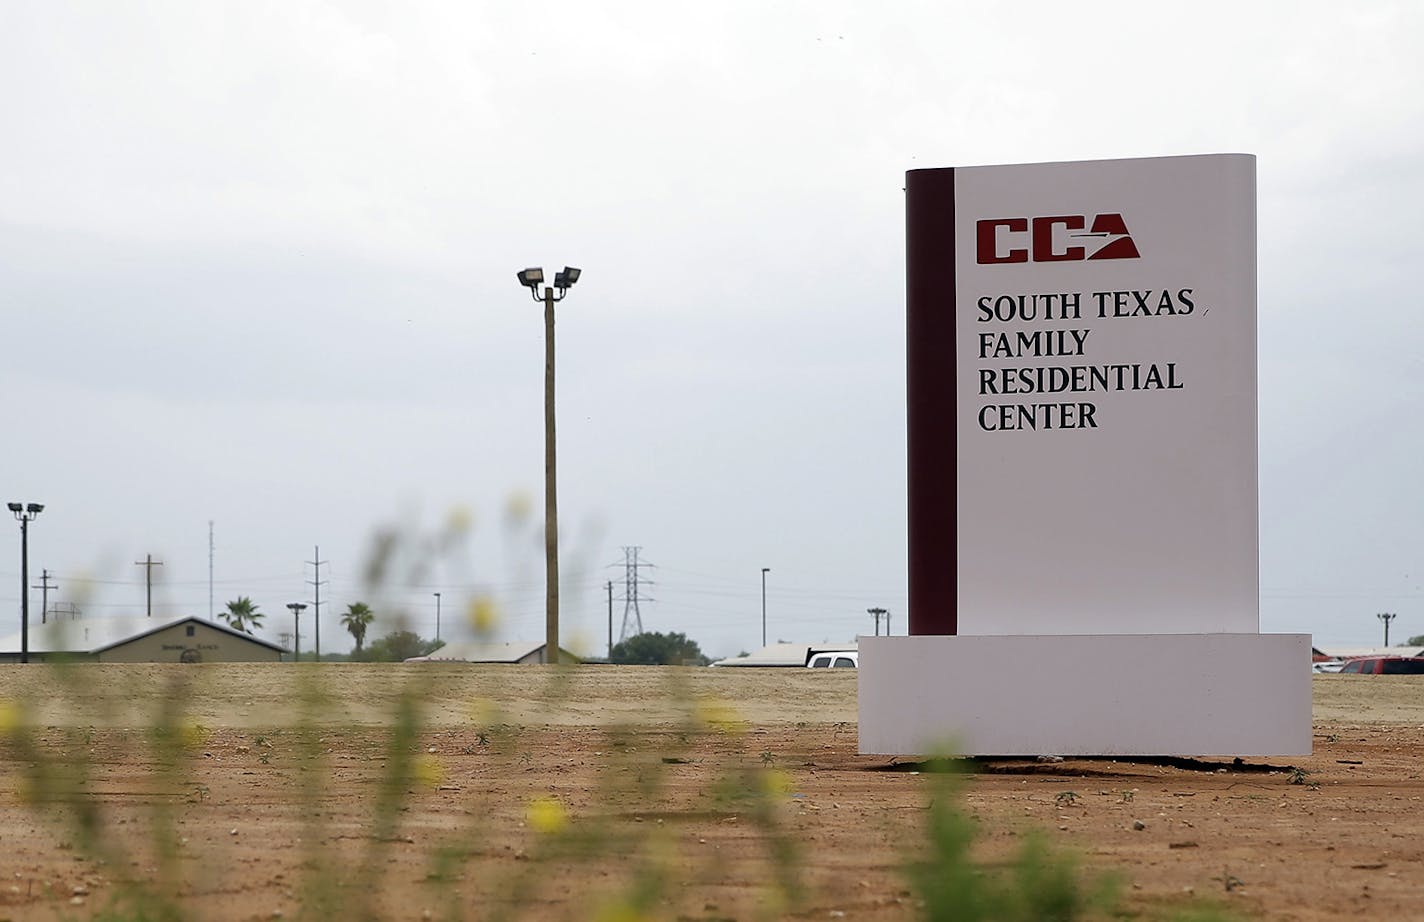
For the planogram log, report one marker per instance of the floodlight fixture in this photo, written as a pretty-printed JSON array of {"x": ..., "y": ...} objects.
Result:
[
  {"x": 14, "y": 507},
  {"x": 35, "y": 508},
  {"x": 566, "y": 279},
  {"x": 530, "y": 278}
]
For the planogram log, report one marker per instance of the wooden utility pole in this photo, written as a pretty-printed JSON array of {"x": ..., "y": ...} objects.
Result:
[
  {"x": 316, "y": 583},
  {"x": 45, "y": 586},
  {"x": 1386, "y": 617},
  {"x": 148, "y": 564}
]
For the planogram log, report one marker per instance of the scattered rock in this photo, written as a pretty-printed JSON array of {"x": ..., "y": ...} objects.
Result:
[{"x": 1138, "y": 825}]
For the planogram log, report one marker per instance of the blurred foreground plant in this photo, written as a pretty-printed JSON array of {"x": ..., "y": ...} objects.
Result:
[{"x": 486, "y": 853}]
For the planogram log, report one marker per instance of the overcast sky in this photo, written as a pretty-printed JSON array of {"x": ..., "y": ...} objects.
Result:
[{"x": 257, "y": 267}]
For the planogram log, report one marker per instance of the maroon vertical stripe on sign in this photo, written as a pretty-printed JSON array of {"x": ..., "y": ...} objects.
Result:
[{"x": 930, "y": 338}]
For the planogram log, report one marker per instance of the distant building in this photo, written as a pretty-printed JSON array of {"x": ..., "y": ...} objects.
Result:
[
  {"x": 141, "y": 640},
  {"x": 785, "y": 655},
  {"x": 524, "y": 652},
  {"x": 1336, "y": 653}
]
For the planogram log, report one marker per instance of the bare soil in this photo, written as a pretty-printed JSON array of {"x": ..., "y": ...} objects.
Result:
[{"x": 717, "y": 793}]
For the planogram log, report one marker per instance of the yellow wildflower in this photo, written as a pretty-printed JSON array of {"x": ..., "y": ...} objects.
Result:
[
  {"x": 428, "y": 770},
  {"x": 546, "y": 815},
  {"x": 483, "y": 615},
  {"x": 719, "y": 715}
]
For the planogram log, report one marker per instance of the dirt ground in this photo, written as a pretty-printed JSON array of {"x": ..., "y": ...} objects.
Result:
[{"x": 588, "y": 793}]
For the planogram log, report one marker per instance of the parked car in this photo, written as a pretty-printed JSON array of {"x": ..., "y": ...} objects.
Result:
[
  {"x": 1384, "y": 665},
  {"x": 840, "y": 659}
]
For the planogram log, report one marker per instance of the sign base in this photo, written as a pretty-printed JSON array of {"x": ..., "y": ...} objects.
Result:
[{"x": 1086, "y": 695}]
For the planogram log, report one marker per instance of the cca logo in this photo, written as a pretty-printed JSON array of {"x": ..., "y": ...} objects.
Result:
[{"x": 999, "y": 239}]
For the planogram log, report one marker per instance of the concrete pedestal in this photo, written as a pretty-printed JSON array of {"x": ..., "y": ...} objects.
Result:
[{"x": 1097, "y": 694}]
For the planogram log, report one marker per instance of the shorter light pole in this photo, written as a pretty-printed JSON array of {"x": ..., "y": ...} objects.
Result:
[
  {"x": 764, "y": 572},
  {"x": 1386, "y": 617},
  {"x": 24, "y": 512},
  {"x": 876, "y": 613},
  {"x": 297, "y": 608},
  {"x": 437, "y": 616}
]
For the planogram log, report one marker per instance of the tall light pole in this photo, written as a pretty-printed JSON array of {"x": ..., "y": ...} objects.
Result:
[
  {"x": 764, "y": 572},
  {"x": 437, "y": 616},
  {"x": 1386, "y": 617},
  {"x": 563, "y": 281},
  {"x": 24, "y": 513},
  {"x": 297, "y": 608}
]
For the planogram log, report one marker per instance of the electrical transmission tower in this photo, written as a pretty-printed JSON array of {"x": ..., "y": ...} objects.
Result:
[{"x": 632, "y": 617}]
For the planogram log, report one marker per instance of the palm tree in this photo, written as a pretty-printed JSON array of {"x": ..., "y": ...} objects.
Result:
[
  {"x": 358, "y": 616},
  {"x": 242, "y": 615}
]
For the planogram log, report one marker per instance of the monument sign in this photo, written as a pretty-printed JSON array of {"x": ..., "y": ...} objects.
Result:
[{"x": 1083, "y": 471}]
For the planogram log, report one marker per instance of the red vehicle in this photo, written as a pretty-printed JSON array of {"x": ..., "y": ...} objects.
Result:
[{"x": 1384, "y": 665}]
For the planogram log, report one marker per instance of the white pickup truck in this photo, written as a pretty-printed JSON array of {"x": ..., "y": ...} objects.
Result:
[{"x": 833, "y": 659}]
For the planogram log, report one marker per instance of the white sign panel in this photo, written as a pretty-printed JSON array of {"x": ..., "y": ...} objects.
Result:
[{"x": 1105, "y": 397}]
